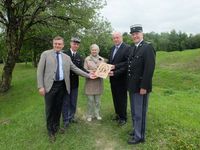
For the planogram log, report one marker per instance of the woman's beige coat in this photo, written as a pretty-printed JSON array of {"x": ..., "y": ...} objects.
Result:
[{"x": 93, "y": 86}]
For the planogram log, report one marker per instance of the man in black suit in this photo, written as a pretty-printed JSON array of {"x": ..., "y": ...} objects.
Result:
[
  {"x": 70, "y": 101},
  {"x": 141, "y": 64},
  {"x": 118, "y": 77}
]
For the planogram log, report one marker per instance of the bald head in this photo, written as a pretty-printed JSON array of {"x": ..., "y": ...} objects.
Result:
[{"x": 117, "y": 38}]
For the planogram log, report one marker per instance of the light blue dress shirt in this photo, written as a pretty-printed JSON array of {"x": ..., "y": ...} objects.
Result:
[{"x": 61, "y": 72}]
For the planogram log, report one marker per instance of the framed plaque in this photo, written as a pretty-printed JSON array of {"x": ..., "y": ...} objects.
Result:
[{"x": 103, "y": 70}]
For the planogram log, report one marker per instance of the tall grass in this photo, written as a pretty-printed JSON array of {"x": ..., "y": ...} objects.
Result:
[{"x": 173, "y": 114}]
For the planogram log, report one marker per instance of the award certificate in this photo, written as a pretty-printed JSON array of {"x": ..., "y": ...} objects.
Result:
[{"x": 103, "y": 70}]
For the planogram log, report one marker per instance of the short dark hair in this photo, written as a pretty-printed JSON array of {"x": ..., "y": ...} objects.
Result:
[{"x": 58, "y": 38}]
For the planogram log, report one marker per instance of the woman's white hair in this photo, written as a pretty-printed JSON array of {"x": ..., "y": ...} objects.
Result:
[{"x": 94, "y": 46}]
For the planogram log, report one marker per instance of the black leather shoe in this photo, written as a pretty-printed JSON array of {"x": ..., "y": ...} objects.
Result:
[
  {"x": 122, "y": 122},
  {"x": 133, "y": 141},
  {"x": 52, "y": 138}
]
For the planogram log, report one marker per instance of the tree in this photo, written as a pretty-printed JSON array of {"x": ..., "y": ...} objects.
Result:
[
  {"x": 127, "y": 38},
  {"x": 38, "y": 39},
  {"x": 164, "y": 41},
  {"x": 100, "y": 34},
  {"x": 182, "y": 40},
  {"x": 195, "y": 41},
  {"x": 2, "y": 48},
  {"x": 18, "y": 17},
  {"x": 153, "y": 38}
]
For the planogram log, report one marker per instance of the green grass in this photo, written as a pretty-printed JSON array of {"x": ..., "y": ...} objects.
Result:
[{"x": 173, "y": 114}]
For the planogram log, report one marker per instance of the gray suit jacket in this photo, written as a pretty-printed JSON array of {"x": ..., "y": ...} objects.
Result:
[{"x": 47, "y": 69}]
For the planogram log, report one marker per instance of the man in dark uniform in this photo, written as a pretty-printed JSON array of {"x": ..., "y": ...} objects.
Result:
[
  {"x": 70, "y": 101},
  {"x": 141, "y": 64},
  {"x": 118, "y": 77}
]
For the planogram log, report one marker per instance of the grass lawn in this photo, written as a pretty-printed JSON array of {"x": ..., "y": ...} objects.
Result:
[{"x": 173, "y": 114}]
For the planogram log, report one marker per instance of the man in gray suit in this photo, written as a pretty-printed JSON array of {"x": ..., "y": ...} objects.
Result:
[{"x": 53, "y": 83}]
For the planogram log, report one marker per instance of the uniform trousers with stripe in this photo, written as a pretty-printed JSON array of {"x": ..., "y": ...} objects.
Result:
[
  {"x": 139, "y": 106},
  {"x": 69, "y": 106}
]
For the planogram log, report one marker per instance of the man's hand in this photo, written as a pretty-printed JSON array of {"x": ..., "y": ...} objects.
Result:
[
  {"x": 42, "y": 91},
  {"x": 112, "y": 67},
  {"x": 143, "y": 91},
  {"x": 92, "y": 75},
  {"x": 111, "y": 73}
]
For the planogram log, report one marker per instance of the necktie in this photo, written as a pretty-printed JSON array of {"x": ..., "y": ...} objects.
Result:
[
  {"x": 73, "y": 55},
  {"x": 57, "y": 69},
  {"x": 115, "y": 51},
  {"x": 135, "y": 49}
]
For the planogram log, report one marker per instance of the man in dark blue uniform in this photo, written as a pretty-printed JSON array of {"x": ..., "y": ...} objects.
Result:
[
  {"x": 141, "y": 64},
  {"x": 70, "y": 102}
]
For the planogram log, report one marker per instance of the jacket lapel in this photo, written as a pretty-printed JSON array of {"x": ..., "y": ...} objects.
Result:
[
  {"x": 111, "y": 54},
  {"x": 136, "y": 50},
  {"x": 118, "y": 51},
  {"x": 70, "y": 53},
  {"x": 53, "y": 57}
]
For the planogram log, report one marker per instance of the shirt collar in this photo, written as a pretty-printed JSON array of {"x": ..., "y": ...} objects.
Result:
[
  {"x": 57, "y": 52},
  {"x": 72, "y": 52},
  {"x": 138, "y": 43},
  {"x": 118, "y": 46}
]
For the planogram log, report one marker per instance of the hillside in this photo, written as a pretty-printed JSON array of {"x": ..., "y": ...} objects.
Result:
[{"x": 173, "y": 114}]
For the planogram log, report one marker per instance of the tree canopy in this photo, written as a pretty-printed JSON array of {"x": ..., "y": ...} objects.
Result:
[{"x": 22, "y": 20}]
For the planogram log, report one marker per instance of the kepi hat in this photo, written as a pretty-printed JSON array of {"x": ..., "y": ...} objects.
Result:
[
  {"x": 76, "y": 40},
  {"x": 136, "y": 28}
]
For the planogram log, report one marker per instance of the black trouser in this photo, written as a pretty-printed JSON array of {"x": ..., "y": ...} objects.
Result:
[
  {"x": 119, "y": 94},
  {"x": 53, "y": 106}
]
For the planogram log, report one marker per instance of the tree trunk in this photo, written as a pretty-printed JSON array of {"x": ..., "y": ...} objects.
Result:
[
  {"x": 7, "y": 73},
  {"x": 14, "y": 45},
  {"x": 34, "y": 58}
]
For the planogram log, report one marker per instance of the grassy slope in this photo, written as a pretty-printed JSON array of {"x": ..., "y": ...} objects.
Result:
[{"x": 173, "y": 116}]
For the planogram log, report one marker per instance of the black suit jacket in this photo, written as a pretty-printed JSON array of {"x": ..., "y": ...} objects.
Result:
[
  {"x": 120, "y": 61},
  {"x": 141, "y": 65},
  {"x": 78, "y": 61}
]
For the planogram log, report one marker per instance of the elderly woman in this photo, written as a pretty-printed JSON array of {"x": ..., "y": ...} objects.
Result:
[{"x": 93, "y": 88}]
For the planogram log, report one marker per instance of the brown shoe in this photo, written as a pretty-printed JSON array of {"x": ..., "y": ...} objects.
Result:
[
  {"x": 52, "y": 138},
  {"x": 121, "y": 122},
  {"x": 61, "y": 130}
]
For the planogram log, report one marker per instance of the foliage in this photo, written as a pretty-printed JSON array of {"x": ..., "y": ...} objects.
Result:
[
  {"x": 22, "y": 19},
  {"x": 39, "y": 38},
  {"x": 173, "y": 41},
  {"x": 127, "y": 38},
  {"x": 100, "y": 34}
]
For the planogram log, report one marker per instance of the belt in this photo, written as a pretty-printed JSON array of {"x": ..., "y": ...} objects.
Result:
[{"x": 59, "y": 81}]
